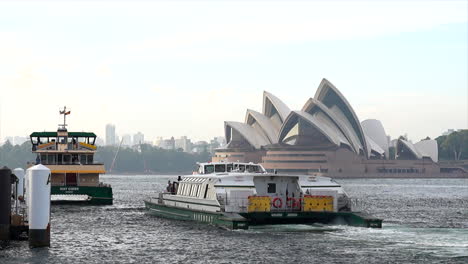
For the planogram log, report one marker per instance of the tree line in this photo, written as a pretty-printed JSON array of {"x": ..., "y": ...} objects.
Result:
[
  {"x": 144, "y": 159},
  {"x": 454, "y": 146},
  {"x": 150, "y": 159}
]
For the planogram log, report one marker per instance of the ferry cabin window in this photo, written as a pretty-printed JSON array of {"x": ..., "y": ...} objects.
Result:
[
  {"x": 271, "y": 188},
  {"x": 229, "y": 168},
  {"x": 67, "y": 159},
  {"x": 83, "y": 159},
  {"x": 90, "y": 159},
  {"x": 209, "y": 169},
  {"x": 50, "y": 159},
  {"x": 62, "y": 140},
  {"x": 220, "y": 168},
  {"x": 43, "y": 158},
  {"x": 241, "y": 167},
  {"x": 252, "y": 168}
]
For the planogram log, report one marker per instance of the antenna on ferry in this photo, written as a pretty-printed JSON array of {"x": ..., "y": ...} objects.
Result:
[{"x": 64, "y": 113}]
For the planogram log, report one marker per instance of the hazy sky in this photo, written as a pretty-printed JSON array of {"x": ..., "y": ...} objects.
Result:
[{"x": 182, "y": 68}]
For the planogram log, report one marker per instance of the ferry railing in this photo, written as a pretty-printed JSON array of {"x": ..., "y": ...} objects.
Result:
[{"x": 32, "y": 163}]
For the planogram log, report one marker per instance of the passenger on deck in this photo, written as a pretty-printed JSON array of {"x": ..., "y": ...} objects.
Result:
[{"x": 169, "y": 186}]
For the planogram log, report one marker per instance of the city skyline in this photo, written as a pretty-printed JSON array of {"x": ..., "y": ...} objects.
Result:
[{"x": 167, "y": 70}]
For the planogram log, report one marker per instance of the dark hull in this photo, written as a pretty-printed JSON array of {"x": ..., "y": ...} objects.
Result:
[
  {"x": 99, "y": 195},
  {"x": 244, "y": 220}
]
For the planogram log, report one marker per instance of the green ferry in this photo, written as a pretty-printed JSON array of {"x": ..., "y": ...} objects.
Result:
[
  {"x": 241, "y": 195},
  {"x": 70, "y": 158}
]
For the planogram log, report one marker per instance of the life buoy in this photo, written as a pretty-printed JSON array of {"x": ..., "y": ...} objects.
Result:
[{"x": 277, "y": 202}]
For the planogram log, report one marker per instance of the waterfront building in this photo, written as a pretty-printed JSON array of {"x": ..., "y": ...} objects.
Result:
[
  {"x": 110, "y": 135},
  {"x": 127, "y": 140},
  {"x": 326, "y": 137},
  {"x": 183, "y": 143},
  {"x": 167, "y": 143},
  {"x": 138, "y": 138}
]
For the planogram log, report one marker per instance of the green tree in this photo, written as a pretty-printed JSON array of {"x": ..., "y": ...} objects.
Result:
[{"x": 456, "y": 144}]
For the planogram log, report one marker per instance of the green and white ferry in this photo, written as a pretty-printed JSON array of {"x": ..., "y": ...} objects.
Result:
[
  {"x": 70, "y": 158},
  {"x": 239, "y": 195}
]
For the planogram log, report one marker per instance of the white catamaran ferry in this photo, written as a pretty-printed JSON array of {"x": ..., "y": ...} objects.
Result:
[{"x": 238, "y": 195}]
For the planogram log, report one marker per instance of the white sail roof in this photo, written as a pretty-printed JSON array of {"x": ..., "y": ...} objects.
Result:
[
  {"x": 254, "y": 119},
  {"x": 428, "y": 148},
  {"x": 330, "y": 96},
  {"x": 374, "y": 129},
  {"x": 403, "y": 145},
  {"x": 247, "y": 132},
  {"x": 320, "y": 127},
  {"x": 272, "y": 105}
]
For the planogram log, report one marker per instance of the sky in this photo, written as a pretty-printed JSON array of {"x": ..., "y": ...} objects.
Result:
[{"x": 175, "y": 68}]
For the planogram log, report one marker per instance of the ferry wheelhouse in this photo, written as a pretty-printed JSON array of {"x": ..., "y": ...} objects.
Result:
[
  {"x": 70, "y": 157},
  {"x": 238, "y": 195}
]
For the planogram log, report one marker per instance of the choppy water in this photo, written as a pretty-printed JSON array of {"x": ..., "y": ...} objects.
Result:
[{"x": 426, "y": 221}]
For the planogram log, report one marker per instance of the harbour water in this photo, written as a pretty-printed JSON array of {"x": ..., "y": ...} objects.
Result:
[{"x": 425, "y": 221}]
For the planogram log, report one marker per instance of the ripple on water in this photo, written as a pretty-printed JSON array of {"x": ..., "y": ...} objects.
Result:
[{"x": 425, "y": 221}]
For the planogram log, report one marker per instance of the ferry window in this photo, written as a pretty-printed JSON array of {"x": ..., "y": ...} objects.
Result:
[
  {"x": 62, "y": 140},
  {"x": 83, "y": 159},
  {"x": 75, "y": 158},
  {"x": 220, "y": 168},
  {"x": 229, "y": 168},
  {"x": 43, "y": 158},
  {"x": 90, "y": 159},
  {"x": 271, "y": 188},
  {"x": 241, "y": 167},
  {"x": 50, "y": 159},
  {"x": 59, "y": 158},
  {"x": 91, "y": 140},
  {"x": 66, "y": 159},
  {"x": 252, "y": 168},
  {"x": 209, "y": 169},
  {"x": 194, "y": 190}
]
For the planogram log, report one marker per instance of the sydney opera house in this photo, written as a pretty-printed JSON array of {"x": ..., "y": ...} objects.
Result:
[{"x": 326, "y": 137}]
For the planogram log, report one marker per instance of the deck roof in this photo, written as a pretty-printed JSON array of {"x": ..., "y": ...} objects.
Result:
[{"x": 70, "y": 134}]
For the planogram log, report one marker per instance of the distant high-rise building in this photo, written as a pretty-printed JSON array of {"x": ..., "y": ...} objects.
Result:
[
  {"x": 221, "y": 141},
  {"x": 158, "y": 141},
  {"x": 138, "y": 138},
  {"x": 167, "y": 143},
  {"x": 126, "y": 140},
  {"x": 183, "y": 143},
  {"x": 110, "y": 135}
]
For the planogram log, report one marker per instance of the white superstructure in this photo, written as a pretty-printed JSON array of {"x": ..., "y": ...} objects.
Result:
[{"x": 226, "y": 186}]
